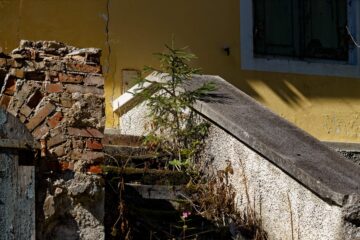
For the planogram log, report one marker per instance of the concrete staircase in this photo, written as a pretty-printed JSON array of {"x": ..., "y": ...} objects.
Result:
[
  {"x": 297, "y": 185},
  {"x": 154, "y": 196}
]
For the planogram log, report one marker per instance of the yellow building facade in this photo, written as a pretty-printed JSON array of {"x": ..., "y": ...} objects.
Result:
[{"x": 325, "y": 104}]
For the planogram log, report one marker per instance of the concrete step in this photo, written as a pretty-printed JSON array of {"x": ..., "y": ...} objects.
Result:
[
  {"x": 112, "y": 138},
  {"x": 159, "y": 192},
  {"x": 124, "y": 151},
  {"x": 148, "y": 176}
]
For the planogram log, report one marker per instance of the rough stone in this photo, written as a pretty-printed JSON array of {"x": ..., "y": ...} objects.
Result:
[
  {"x": 21, "y": 97},
  {"x": 80, "y": 67},
  {"x": 94, "y": 80},
  {"x": 25, "y": 110},
  {"x": 59, "y": 151},
  {"x": 72, "y": 88},
  {"x": 49, "y": 206},
  {"x": 93, "y": 157},
  {"x": 85, "y": 184},
  {"x": 93, "y": 144},
  {"x": 77, "y": 144},
  {"x": 56, "y": 140}
]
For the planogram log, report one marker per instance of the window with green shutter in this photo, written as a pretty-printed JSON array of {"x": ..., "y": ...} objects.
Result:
[{"x": 301, "y": 29}]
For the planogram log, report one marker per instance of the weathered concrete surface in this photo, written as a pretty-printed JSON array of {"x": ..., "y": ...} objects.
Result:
[
  {"x": 328, "y": 175},
  {"x": 288, "y": 210},
  {"x": 74, "y": 208},
  {"x": 300, "y": 155},
  {"x": 300, "y": 187},
  {"x": 134, "y": 121},
  {"x": 349, "y": 150}
]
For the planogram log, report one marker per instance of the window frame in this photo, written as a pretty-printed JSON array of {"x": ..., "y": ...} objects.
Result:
[{"x": 249, "y": 61}]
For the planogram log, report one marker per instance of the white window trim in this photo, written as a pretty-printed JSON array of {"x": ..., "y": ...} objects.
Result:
[{"x": 290, "y": 65}]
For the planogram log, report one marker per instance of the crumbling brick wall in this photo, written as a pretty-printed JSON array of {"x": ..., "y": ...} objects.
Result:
[{"x": 57, "y": 92}]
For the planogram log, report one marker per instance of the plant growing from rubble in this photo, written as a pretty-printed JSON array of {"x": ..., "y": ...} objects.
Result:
[{"x": 174, "y": 127}]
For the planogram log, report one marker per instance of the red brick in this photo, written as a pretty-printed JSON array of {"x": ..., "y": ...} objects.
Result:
[
  {"x": 81, "y": 67},
  {"x": 70, "y": 78},
  {"x": 94, "y": 80},
  {"x": 78, "y": 132},
  {"x": 10, "y": 87},
  {"x": 66, "y": 166},
  {"x": 54, "y": 88},
  {"x": 40, "y": 131},
  {"x": 95, "y": 169},
  {"x": 54, "y": 120},
  {"x": 4, "y": 101},
  {"x": 40, "y": 116},
  {"x": 82, "y": 132},
  {"x": 93, "y": 144},
  {"x": 17, "y": 72},
  {"x": 56, "y": 140},
  {"x": 95, "y": 133}
]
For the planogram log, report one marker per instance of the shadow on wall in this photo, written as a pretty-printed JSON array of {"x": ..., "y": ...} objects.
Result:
[{"x": 292, "y": 89}]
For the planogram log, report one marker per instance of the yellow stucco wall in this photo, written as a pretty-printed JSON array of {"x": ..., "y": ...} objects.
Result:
[{"x": 326, "y": 107}]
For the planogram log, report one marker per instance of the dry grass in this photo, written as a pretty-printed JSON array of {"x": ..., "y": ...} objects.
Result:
[{"x": 214, "y": 198}]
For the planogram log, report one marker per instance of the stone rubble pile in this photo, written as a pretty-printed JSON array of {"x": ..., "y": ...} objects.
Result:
[{"x": 58, "y": 92}]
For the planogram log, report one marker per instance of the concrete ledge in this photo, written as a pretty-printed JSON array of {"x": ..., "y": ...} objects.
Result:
[
  {"x": 128, "y": 100},
  {"x": 320, "y": 169},
  {"x": 343, "y": 147}
]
